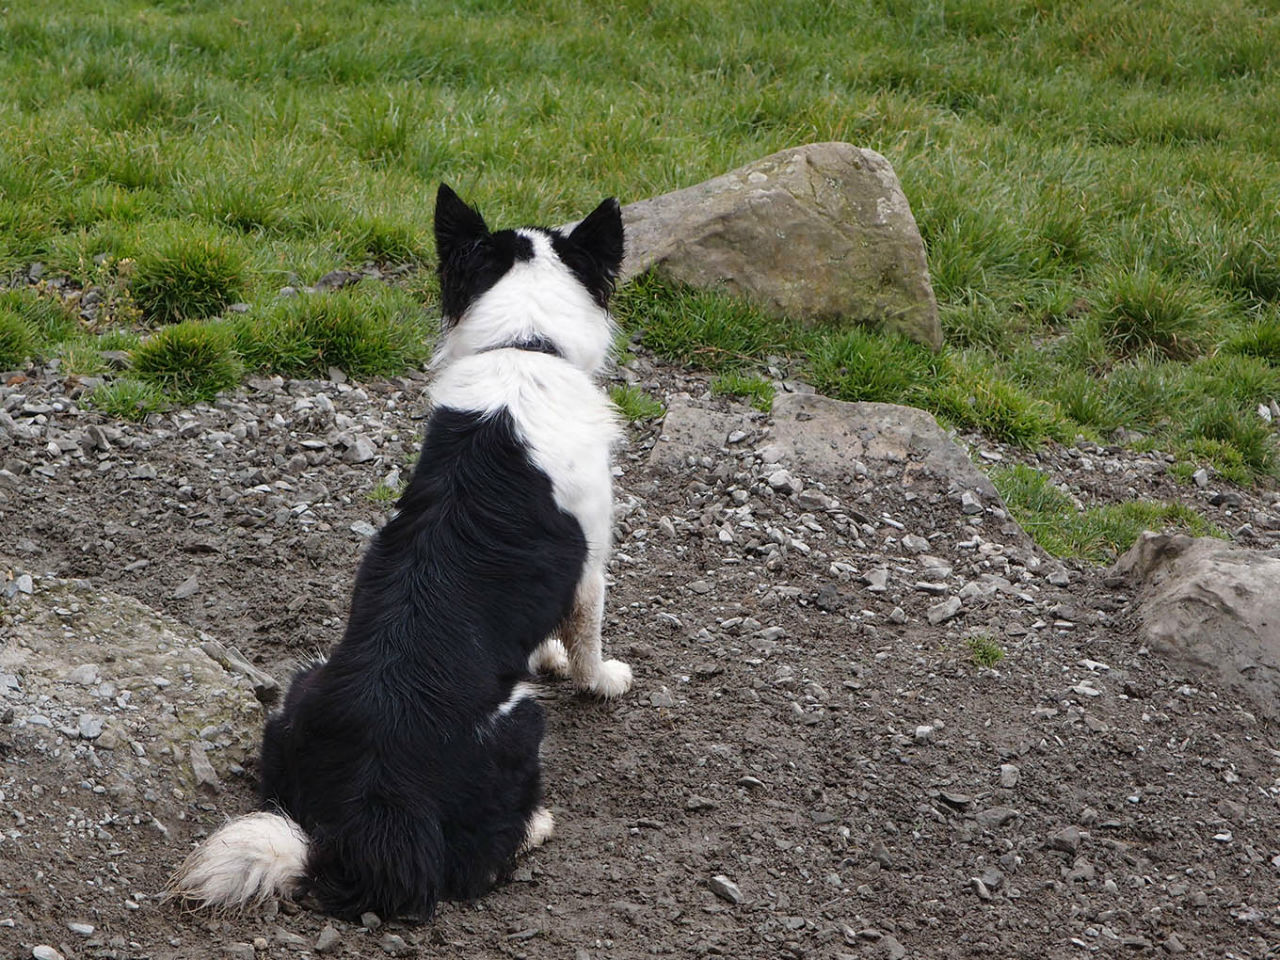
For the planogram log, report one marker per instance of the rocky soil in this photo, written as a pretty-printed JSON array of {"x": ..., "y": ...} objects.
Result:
[{"x": 821, "y": 757}]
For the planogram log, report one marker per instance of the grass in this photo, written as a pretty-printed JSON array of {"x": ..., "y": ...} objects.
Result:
[
  {"x": 635, "y": 405},
  {"x": 189, "y": 361},
  {"x": 1097, "y": 184},
  {"x": 753, "y": 388},
  {"x": 128, "y": 399},
  {"x": 1096, "y": 534},
  {"x": 985, "y": 650}
]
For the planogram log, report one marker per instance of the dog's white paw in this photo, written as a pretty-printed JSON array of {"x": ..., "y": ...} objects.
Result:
[
  {"x": 550, "y": 658},
  {"x": 539, "y": 829},
  {"x": 612, "y": 679}
]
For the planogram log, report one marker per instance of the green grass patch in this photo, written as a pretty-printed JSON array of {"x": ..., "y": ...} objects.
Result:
[
  {"x": 367, "y": 330},
  {"x": 985, "y": 649},
  {"x": 753, "y": 388},
  {"x": 634, "y": 404},
  {"x": 128, "y": 399},
  {"x": 1096, "y": 534},
  {"x": 189, "y": 361},
  {"x": 187, "y": 273},
  {"x": 16, "y": 339}
]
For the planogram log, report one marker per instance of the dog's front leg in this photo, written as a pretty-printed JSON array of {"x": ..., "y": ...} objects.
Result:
[{"x": 581, "y": 636}]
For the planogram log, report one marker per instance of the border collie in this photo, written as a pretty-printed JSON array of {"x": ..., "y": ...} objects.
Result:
[{"x": 404, "y": 769}]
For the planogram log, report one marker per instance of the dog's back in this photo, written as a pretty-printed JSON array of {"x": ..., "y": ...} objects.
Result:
[{"x": 405, "y": 768}]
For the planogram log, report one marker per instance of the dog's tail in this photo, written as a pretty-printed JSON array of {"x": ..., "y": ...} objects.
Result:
[{"x": 245, "y": 862}]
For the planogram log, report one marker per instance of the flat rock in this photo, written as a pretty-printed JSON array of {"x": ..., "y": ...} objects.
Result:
[
  {"x": 691, "y": 430},
  {"x": 1212, "y": 608},
  {"x": 824, "y": 438},
  {"x": 814, "y": 232}
]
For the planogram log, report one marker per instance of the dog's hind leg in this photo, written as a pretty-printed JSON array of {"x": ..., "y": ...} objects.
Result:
[
  {"x": 539, "y": 830},
  {"x": 581, "y": 635}
]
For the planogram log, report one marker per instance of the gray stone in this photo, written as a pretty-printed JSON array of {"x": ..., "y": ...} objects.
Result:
[
  {"x": 915, "y": 544},
  {"x": 45, "y": 952},
  {"x": 1211, "y": 608},
  {"x": 829, "y": 439},
  {"x": 820, "y": 231},
  {"x": 1009, "y": 775},
  {"x": 327, "y": 940},
  {"x": 1067, "y": 840},
  {"x": 187, "y": 588},
  {"x": 944, "y": 611},
  {"x": 877, "y": 579},
  {"x": 361, "y": 451},
  {"x": 206, "y": 776},
  {"x": 692, "y": 430},
  {"x": 993, "y": 817},
  {"x": 725, "y": 889}
]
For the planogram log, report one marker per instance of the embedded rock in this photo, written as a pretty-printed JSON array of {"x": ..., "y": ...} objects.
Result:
[
  {"x": 822, "y": 231},
  {"x": 1211, "y": 608}
]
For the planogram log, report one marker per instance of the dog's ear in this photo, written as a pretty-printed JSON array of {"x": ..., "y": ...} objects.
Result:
[
  {"x": 456, "y": 223},
  {"x": 600, "y": 235}
]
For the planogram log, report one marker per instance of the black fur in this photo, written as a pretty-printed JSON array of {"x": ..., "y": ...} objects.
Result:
[
  {"x": 471, "y": 258},
  {"x": 389, "y": 755},
  {"x": 593, "y": 249}
]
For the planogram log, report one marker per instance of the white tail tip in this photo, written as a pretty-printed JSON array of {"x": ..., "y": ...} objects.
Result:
[{"x": 245, "y": 862}]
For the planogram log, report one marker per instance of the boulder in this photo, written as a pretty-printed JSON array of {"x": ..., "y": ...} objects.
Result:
[
  {"x": 1210, "y": 608},
  {"x": 822, "y": 231},
  {"x": 114, "y": 694}
]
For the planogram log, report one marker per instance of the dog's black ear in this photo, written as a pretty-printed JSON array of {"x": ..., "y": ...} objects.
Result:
[
  {"x": 456, "y": 223},
  {"x": 601, "y": 236}
]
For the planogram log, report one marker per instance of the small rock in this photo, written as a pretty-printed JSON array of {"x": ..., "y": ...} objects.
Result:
[
  {"x": 206, "y": 776},
  {"x": 969, "y": 503},
  {"x": 81, "y": 929},
  {"x": 1067, "y": 840},
  {"x": 700, "y": 586},
  {"x": 994, "y": 817},
  {"x": 187, "y": 588},
  {"x": 362, "y": 451},
  {"x": 239, "y": 951},
  {"x": 1009, "y": 775},
  {"x": 1173, "y": 945},
  {"x": 980, "y": 888},
  {"x": 783, "y": 482},
  {"x": 393, "y": 944},
  {"x": 898, "y": 615},
  {"x": 662, "y": 698},
  {"x": 45, "y": 952},
  {"x": 881, "y": 855},
  {"x": 89, "y": 726},
  {"x": 370, "y": 921},
  {"x": 725, "y": 889},
  {"x": 944, "y": 611},
  {"x": 700, "y": 803},
  {"x": 24, "y": 584},
  {"x": 327, "y": 940},
  {"x": 364, "y": 528},
  {"x": 1201, "y": 478},
  {"x": 877, "y": 580},
  {"x": 915, "y": 544}
]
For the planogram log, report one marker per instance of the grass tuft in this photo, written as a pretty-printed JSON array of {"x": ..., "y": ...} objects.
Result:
[
  {"x": 16, "y": 339},
  {"x": 985, "y": 650},
  {"x": 1142, "y": 310},
  {"x": 128, "y": 399},
  {"x": 751, "y": 387},
  {"x": 190, "y": 361},
  {"x": 188, "y": 274},
  {"x": 636, "y": 405},
  {"x": 366, "y": 331},
  {"x": 1096, "y": 534}
]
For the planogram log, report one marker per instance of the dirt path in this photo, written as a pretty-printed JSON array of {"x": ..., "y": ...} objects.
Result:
[{"x": 864, "y": 786}]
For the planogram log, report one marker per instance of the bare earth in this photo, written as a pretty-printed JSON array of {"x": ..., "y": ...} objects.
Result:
[{"x": 865, "y": 786}]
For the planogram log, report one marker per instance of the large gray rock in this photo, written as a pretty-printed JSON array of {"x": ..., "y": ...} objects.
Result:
[
  {"x": 109, "y": 690},
  {"x": 815, "y": 232},
  {"x": 1211, "y": 608},
  {"x": 833, "y": 438}
]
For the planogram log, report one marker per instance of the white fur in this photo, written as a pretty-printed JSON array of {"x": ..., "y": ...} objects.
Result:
[
  {"x": 245, "y": 862},
  {"x": 521, "y": 691},
  {"x": 539, "y": 830},
  {"x": 561, "y": 414}
]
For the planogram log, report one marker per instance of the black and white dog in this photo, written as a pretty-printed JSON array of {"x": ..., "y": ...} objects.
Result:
[{"x": 404, "y": 769}]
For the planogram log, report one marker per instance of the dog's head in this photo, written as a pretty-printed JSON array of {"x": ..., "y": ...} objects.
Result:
[{"x": 527, "y": 286}]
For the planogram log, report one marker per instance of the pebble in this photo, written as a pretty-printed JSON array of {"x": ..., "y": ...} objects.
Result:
[
  {"x": 187, "y": 588},
  {"x": 370, "y": 920},
  {"x": 1009, "y": 775},
  {"x": 969, "y": 503},
  {"x": 45, "y": 952},
  {"x": 946, "y": 610},
  {"x": 783, "y": 482},
  {"x": 877, "y": 580},
  {"x": 725, "y": 889},
  {"x": 1067, "y": 840},
  {"x": 364, "y": 528},
  {"x": 993, "y": 817},
  {"x": 81, "y": 929},
  {"x": 327, "y": 940},
  {"x": 393, "y": 944},
  {"x": 915, "y": 544}
]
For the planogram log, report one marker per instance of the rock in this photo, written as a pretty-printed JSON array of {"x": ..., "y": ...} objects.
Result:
[
  {"x": 187, "y": 588},
  {"x": 725, "y": 889},
  {"x": 1067, "y": 840},
  {"x": 691, "y": 430},
  {"x": 370, "y": 920},
  {"x": 361, "y": 450},
  {"x": 1212, "y": 608},
  {"x": 827, "y": 439},
  {"x": 45, "y": 952},
  {"x": 1009, "y": 775},
  {"x": 993, "y": 817},
  {"x": 81, "y": 929},
  {"x": 814, "y": 232},
  {"x": 1201, "y": 478},
  {"x": 915, "y": 544},
  {"x": 944, "y": 611},
  {"x": 363, "y": 528},
  {"x": 877, "y": 579},
  {"x": 206, "y": 776},
  {"x": 394, "y": 945},
  {"x": 327, "y": 940}
]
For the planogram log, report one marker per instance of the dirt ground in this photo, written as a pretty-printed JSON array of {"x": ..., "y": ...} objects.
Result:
[{"x": 865, "y": 786}]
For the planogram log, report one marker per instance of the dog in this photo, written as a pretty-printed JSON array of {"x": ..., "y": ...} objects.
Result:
[{"x": 404, "y": 769}]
